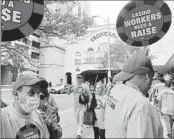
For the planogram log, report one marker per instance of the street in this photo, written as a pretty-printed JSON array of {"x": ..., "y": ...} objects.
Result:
[{"x": 67, "y": 121}]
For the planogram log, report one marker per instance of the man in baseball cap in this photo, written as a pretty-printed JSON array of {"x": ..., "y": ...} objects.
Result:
[
  {"x": 80, "y": 90},
  {"x": 136, "y": 65},
  {"x": 21, "y": 119},
  {"x": 132, "y": 114}
]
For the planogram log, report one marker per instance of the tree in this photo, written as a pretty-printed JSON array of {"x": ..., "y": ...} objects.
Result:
[
  {"x": 64, "y": 22},
  {"x": 14, "y": 55},
  {"x": 119, "y": 53},
  {"x": 61, "y": 22}
]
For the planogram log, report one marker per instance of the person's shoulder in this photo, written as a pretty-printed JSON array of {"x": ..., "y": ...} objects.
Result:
[
  {"x": 6, "y": 109},
  {"x": 146, "y": 107},
  {"x": 6, "y": 112}
]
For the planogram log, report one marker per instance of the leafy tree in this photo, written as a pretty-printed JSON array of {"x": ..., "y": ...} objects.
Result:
[
  {"x": 119, "y": 53},
  {"x": 61, "y": 22},
  {"x": 14, "y": 56}
]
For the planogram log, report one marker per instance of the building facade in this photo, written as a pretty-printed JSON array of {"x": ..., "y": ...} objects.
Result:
[
  {"x": 52, "y": 64},
  {"x": 84, "y": 57}
]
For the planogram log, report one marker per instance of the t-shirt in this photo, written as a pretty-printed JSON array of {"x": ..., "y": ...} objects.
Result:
[
  {"x": 166, "y": 100},
  {"x": 18, "y": 126},
  {"x": 130, "y": 115},
  {"x": 77, "y": 90},
  {"x": 100, "y": 111}
]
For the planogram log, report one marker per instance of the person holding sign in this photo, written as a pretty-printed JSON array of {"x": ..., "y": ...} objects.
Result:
[
  {"x": 21, "y": 119},
  {"x": 81, "y": 92}
]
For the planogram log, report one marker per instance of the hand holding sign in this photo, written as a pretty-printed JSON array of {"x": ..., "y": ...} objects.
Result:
[{"x": 46, "y": 118}]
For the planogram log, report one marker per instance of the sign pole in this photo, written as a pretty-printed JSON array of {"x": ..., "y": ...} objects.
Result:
[{"x": 109, "y": 58}]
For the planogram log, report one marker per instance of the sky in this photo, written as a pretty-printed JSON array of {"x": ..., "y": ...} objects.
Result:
[
  {"x": 163, "y": 49},
  {"x": 105, "y": 10}
]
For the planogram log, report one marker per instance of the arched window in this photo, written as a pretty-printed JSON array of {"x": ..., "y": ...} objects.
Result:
[
  {"x": 103, "y": 47},
  {"x": 90, "y": 49},
  {"x": 102, "y": 50},
  {"x": 90, "y": 55},
  {"x": 78, "y": 58}
]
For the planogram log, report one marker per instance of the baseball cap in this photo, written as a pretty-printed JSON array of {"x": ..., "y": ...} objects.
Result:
[
  {"x": 79, "y": 76},
  {"x": 136, "y": 65},
  {"x": 28, "y": 80}
]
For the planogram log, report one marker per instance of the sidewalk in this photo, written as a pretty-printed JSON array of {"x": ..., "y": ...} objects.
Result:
[{"x": 69, "y": 127}]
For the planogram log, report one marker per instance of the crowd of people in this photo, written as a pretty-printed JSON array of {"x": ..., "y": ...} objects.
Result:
[{"x": 137, "y": 98}]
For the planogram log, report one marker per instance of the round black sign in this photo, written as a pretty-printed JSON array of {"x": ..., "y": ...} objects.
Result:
[
  {"x": 29, "y": 131},
  {"x": 141, "y": 23},
  {"x": 19, "y": 18}
]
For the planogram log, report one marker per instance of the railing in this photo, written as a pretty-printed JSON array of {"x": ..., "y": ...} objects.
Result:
[{"x": 92, "y": 60}]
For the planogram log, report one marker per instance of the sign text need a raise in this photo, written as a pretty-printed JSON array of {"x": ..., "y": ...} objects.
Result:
[{"x": 8, "y": 14}]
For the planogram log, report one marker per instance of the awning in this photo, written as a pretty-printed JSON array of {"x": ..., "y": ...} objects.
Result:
[
  {"x": 99, "y": 71},
  {"x": 167, "y": 67},
  {"x": 94, "y": 71}
]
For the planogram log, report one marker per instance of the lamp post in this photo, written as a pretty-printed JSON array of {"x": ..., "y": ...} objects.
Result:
[{"x": 109, "y": 58}]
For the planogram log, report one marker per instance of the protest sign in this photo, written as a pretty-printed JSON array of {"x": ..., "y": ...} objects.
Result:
[
  {"x": 141, "y": 23},
  {"x": 19, "y": 18}
]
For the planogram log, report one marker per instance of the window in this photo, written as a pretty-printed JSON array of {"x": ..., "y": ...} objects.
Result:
[
  {"x": 35, "y": 71},
  {"x": 90, "y": 49},
  {"x": 78, "y": 58},
  {"x": 36, "y": 35},
  {"x": 102, "y": 49},
  {"x": 34, "y": 55},
  {"x": 25, "y": 40},
  {"x": 36, "y": 44},
  {"x": 89, "y": 55}
]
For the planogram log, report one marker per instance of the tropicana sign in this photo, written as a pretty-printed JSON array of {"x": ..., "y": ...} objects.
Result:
[{"x": 101, "y": 34}]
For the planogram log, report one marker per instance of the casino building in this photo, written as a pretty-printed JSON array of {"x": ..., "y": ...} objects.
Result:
[{"x": 84, "y": 57}]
